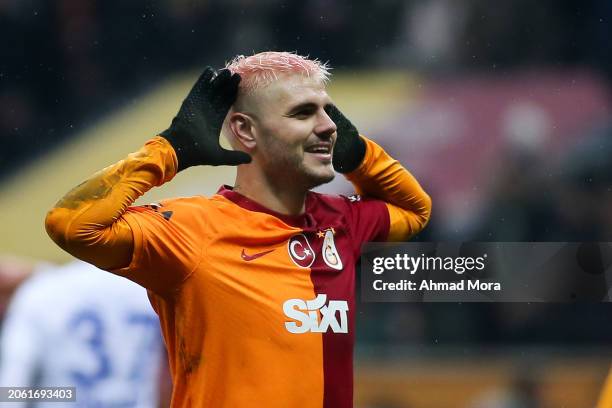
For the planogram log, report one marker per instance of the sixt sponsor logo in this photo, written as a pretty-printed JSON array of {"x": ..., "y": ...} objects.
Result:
[{"x": 315, "y": 316}]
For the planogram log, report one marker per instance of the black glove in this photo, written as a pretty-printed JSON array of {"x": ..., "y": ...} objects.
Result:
[
  {"x": 350, "y": 148},
  {"x": 194, "y": 132}
]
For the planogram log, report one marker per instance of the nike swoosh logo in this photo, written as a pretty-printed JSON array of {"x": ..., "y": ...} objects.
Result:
[{"x": 254, "y": 256}]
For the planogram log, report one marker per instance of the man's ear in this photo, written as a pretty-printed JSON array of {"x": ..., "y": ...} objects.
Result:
[{"x": 241, "y": 126}]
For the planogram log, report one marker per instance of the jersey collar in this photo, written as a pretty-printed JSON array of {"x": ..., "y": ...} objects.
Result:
[{"x": 301, "y": 221}]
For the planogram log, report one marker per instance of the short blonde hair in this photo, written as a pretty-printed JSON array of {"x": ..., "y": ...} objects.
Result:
[{"x": 258, "y": 70}]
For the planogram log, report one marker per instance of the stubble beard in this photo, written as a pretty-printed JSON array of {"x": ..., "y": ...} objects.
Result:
[{"x": 292, "y": 171}]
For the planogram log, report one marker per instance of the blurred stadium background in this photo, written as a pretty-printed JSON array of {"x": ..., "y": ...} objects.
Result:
[{"x": 501, "y": 109}]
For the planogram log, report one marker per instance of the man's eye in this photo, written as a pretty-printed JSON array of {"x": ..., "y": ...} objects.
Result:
[{"x": 303, "y": 114}]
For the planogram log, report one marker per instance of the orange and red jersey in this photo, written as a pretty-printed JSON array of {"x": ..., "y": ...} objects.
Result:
[{"x": 257, "y": 308}]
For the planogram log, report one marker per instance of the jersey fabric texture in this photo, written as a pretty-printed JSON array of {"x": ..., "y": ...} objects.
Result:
[{"x": 79, "y": 326}]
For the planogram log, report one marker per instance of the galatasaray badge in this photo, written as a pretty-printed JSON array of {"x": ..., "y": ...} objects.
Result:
[{"x": 330, "y": 253}]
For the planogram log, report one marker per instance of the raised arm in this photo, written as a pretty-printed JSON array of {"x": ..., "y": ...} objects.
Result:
[
  {"x": 89, "y": 223},
  {"x": 375, "y": 174}
]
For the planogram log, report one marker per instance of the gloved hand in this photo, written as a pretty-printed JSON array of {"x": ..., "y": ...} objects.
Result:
[
  {"x": 194, "y": 132},
  {"x": 350, "y": 148}
]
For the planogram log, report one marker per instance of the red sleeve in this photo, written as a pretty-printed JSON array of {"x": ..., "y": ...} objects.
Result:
[
  {"x": 380, "y": 176},
  {"x": 368, "y": 220}
]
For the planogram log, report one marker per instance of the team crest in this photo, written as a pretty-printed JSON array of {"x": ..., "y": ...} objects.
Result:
[
  {"x": 330, "y": 253},
  {"x": 300, "y": 251}
]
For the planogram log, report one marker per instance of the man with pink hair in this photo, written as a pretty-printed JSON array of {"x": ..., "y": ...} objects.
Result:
[{"x": 254, "y": 286}]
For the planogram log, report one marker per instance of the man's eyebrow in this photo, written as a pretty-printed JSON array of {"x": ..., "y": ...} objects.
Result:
[{"x": 302, "y": 106}]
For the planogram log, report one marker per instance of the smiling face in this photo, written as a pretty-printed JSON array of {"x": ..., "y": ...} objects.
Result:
[{"x": 293, "y": 133}]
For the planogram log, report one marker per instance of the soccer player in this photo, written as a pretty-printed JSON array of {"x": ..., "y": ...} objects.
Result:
[
  {"x": 78, "y": 326},
  {"x": 255, "y": 285}
]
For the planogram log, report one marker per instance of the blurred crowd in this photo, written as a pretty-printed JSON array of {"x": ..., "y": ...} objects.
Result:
[
  {"x": 533, "y": 195},
  {"x": 67, "y": 62}
]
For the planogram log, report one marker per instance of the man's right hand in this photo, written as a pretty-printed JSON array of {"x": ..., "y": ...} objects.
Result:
[{"x": 194, "y": 132}]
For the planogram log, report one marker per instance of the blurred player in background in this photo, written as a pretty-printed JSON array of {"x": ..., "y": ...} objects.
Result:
[
  {"x": 79, "y": 326},
  {"x": 13, "y": 271},
  {"x": 255, "y": 285}
]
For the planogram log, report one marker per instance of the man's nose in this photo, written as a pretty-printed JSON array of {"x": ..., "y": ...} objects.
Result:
[{"x": 325, "y": 126}]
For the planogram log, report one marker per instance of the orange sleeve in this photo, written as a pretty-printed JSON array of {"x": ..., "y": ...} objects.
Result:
[
  {"x": 89, "y": 223},
  {"x": 382, "y": 177}
]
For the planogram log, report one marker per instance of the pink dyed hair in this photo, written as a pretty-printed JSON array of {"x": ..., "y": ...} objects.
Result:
[{"x": 261, "y": 69}]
